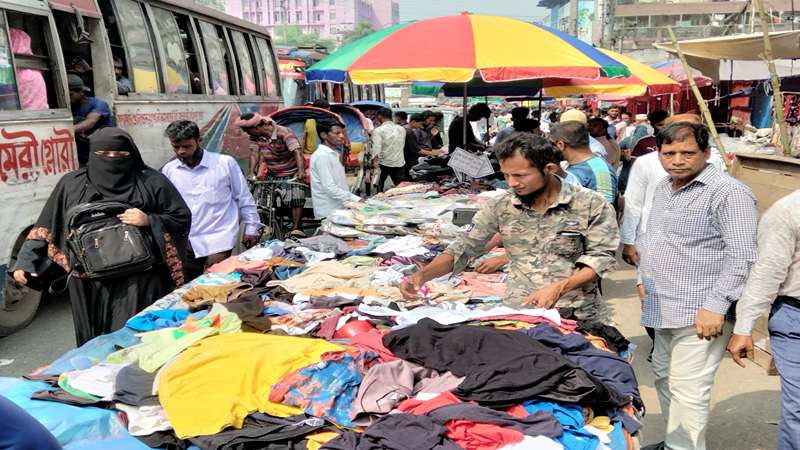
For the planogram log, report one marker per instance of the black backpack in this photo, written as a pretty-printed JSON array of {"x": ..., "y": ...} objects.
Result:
[{"x": 101, "y": 246}]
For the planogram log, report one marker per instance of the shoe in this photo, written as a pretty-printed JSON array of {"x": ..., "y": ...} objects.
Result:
[
  {"x": 659, "y": 446},
  {"x": 297, "y": 234}
]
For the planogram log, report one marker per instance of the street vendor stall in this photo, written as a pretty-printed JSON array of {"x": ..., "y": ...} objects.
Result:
[{"x": 309, "y": 344}]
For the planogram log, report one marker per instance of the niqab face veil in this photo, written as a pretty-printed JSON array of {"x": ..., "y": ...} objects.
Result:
[{"x": 114, "y": 178}]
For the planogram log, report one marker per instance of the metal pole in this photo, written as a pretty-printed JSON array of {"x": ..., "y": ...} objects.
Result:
[
  {"x": 541, "y": 90},
  {"x": 701, "y": 103},
  {"x": 776, "y": 84},
  {"x": 464, "y": 115}
]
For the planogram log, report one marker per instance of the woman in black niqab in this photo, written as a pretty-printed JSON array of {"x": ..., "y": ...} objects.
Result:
[{"x": 115, "y": 172}]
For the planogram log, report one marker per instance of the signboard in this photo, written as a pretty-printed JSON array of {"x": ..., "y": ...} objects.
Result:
[{"x": 470, "y": 164}]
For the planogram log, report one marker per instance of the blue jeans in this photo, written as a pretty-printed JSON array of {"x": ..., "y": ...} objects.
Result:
[{"x": 785, "y": 341}]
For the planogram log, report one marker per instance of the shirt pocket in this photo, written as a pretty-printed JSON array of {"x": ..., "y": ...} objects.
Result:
[
  {"x": 218, "y": 191},
  {"x": 567, "y": 244},
  {"x": 691, "y": 223}
]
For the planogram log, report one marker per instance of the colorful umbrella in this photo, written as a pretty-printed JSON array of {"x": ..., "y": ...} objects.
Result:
[
  {"x": 643, "y": 80},
  {"x": 674, "y": 70},
  {"x": 458, "y": 49}
]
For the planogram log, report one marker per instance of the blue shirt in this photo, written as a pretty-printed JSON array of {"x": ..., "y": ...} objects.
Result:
[
  {"x": 96, "y": 105},
  {"x": 598, "y": 175},
  {"x": 698, "y": 247}
]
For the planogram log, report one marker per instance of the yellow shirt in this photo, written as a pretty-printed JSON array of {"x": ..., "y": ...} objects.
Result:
[{"x": 218, "y": 382}]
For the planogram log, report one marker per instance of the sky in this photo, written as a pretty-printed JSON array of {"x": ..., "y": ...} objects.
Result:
[{"x": 422, "y": 9}]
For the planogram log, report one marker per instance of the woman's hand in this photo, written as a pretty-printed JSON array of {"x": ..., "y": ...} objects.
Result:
[{"x": 134, "y": 216}]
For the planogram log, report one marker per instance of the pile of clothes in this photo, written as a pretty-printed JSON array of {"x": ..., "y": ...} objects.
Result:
[{"x": 309, "y": 344}]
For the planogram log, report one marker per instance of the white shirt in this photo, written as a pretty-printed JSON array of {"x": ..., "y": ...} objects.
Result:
[
  {"x": 645, "y": 174},
  {"x": 388, "y": 141},
  {"x": 777, "y": 270},
  {"x": 329, "y": 190},
  {"x": 597, "y": 148},
  {"x": 216, "y": 192}
]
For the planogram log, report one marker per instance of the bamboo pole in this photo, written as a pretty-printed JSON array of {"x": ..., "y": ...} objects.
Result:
[
  {"x": 701, "y": 103},
  {"x": 776, "y": 84}
]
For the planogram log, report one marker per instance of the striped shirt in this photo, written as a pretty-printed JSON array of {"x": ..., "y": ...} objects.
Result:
[
  {"x": 596, "y": 174},
  {"x": 278, "y": 163},
  {"x": 698, "y": 247}
]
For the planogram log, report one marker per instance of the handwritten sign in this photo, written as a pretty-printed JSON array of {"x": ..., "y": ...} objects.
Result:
[{"x": 470, "y": 164}]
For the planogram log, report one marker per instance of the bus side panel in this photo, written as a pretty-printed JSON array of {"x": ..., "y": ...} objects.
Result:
[
  {"x": 147, "y": 120},
  {"x": 33, "y": 157}
]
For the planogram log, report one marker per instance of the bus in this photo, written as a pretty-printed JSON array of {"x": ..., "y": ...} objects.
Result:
[{"x": 183, "y": 61}]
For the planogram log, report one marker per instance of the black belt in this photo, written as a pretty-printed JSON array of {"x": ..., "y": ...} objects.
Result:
[{"x": 791, "y": 301}]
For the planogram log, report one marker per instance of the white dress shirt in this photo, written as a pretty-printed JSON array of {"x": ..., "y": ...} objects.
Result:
[
  {"x": 777, "y": 270},
  {"x": 388, "y": 142},
  {"x": 329, "y": 190},
  {"x": 645, "y": 174},
  {"x": 216, "y": 192}
]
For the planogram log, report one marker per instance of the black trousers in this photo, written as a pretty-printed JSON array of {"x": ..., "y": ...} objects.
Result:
[{"x": 397, "y": 174}]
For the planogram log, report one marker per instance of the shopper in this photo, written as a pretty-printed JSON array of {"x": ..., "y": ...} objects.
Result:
[
  {"x": 388, "y": 141},
  {"x": 329, "y": 189},
  {"x": 594, "y": 172}
]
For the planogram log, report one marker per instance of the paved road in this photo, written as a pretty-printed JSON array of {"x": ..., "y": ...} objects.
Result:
[
  {"x": 745, "y": 401},
  {"x": 45, "y": 339}
]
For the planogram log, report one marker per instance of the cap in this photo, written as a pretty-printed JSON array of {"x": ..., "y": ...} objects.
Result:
[
  {"x": 573, "y": 114},
  {"x": 641, "y": 117},
  {"x": 76, "y": 82}
]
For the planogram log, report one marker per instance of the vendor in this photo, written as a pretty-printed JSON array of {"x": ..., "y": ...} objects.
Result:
[{"x": 560, "y": 239}]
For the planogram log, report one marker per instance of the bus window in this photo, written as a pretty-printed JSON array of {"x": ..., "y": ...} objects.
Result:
[
  {"x": 26, "y": 79},
  {"x": 137, "y": 43},
  {"x": 247, "y": 79},
  {"x": 177, "y": 76},
  {"x": 271, "y": 75},
  {"x": 189, "y": 47},
  {"x": 215, "y": 59}
]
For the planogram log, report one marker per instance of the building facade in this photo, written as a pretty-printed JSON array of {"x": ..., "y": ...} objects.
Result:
[
  {"x": 332, "y": 19},
  {"x": 636, "y": 24}
]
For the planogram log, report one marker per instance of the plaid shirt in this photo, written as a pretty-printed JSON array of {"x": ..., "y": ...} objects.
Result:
[{"x": 698, "y": 248}]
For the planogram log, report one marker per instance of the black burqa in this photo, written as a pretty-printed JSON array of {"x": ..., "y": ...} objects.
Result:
[{"x": 103, "y": 305}]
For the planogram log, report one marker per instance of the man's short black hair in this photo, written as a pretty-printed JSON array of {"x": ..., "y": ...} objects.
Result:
[
  {"x": 480, "y": 110},
  {"x": 598, "y": 122},
  {"x": 553, "y": 117},
  {"x": 537, "y": 150},
  {"x": 526, "y": 125},
  {"x": 401, "y": 115},
  {"x": 657, "y": 116},
  {"x": 182, "y": 129},
  {"x": 427, "y": 113},
  {"x": 520, "y": 112},
  {"x": 681, "y": 131},
  {"x": 439, "y": 115},
  {"x": 417, "y": 117},
  {"x": 321, "y": 103},
  {"x": 385, "y": 113},
  {"x": 326, "y": 125},
  {"x": 573, "y": 133}
]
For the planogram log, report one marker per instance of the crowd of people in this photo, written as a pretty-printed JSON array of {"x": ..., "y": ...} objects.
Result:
[{"x": 579, "y": 187}]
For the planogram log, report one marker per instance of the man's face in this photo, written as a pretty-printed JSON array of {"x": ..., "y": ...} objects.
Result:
[
  {"x": 118, "y": 70},
  {"x": 613, "y": 113},
  {"x": 76, "y": 96},
  {"x": 523, "y": 178},
  {"x": 683, "y": 159},
  {"x": 185, "y": 149},
  {"x": 596, "y": 130},
  {"x": 413, "y": 124},
  {"x": 335, "y": 137},
  {"x": 265, "y": 129},
  {"x": 626, "y": 118},
  {"x": 658, "y": 126},
  {"x": 430, "y": 121}
]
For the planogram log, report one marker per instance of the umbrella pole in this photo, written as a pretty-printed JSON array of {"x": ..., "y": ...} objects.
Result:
[
  {"x": 540, "y": 104},
  {"x": 700, "y": 101},
  {"x": 464, "y": 115},
  {"x": 776, "y": 85}
]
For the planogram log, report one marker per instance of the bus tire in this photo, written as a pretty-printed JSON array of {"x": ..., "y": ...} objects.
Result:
[{"x": 21, "y": 304}]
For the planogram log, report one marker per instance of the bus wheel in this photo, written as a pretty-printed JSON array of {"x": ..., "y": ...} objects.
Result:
[{"x": 20, "y": 308}]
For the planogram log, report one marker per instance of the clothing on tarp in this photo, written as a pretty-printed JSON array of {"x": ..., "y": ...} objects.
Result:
[
  {"x": 570, "y": 416},
  {"x": 198, "y": 296},
  {"x": 326, "y": 275},
  {"x": 500, "y": 367},
  {"x": 157, "y": 319},
  {"x": 326, "y": 388},
  {"x": 396, "y": 432},
  {"x": 196, "y": 400},
  {"x": 97, "y": 380},
  {"x": 165, "y": 440},
  {"x": 612, "y": 370},
  {"x": 59, "y": 395},
  {"x": 263, "y": 432},
  {"x": 323, "y": 243},
  {"x": 134, "y": 386},
  {"x": 144, "y": 420}
]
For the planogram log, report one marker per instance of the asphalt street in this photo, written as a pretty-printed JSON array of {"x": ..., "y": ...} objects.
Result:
[{"x": 745, "y": 402}]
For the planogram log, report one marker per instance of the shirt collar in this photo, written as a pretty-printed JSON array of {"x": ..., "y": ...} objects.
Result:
[
  {"x": 204, "y": 162},
  {"x": 564, "y": 196}
]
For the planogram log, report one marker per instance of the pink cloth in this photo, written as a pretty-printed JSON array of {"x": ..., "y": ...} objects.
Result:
[
  {"x": 30, "y": 82},
  {"x": 373, "y": 341},
  {"x": 232, "y": 264},
  {"x": 484, "y": 285},
  {"x": 422, "y": 407}
]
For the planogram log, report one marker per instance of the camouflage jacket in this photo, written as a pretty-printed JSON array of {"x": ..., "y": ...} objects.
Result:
[{"x": 579, "y": 229}]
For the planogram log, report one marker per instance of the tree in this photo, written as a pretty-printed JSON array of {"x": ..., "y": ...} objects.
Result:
[
  {"x": 360, "y": 30},
  {"x": 216, "y": 4},
  {"x": 294, "y": 36}
]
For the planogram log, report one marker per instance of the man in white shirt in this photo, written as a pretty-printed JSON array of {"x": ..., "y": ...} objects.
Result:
[
  {"x": 774, "y": 282},
  {"x": 329, "y": 190},
  {"x": 214, "y": 188},
  {"x": 388, "y": 141}
]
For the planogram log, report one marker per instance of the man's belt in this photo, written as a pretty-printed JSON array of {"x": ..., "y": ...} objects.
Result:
[{"x": 791, "y": 301}]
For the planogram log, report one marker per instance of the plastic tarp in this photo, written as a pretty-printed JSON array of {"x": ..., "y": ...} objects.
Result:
[{"x": 705, "y": 54}]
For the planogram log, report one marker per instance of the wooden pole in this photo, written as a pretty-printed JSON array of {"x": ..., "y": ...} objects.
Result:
[
  {"x": 776, "y": 84},
  {"x": 464, "y": 112},
  {"x": 699, "y": 97}
]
